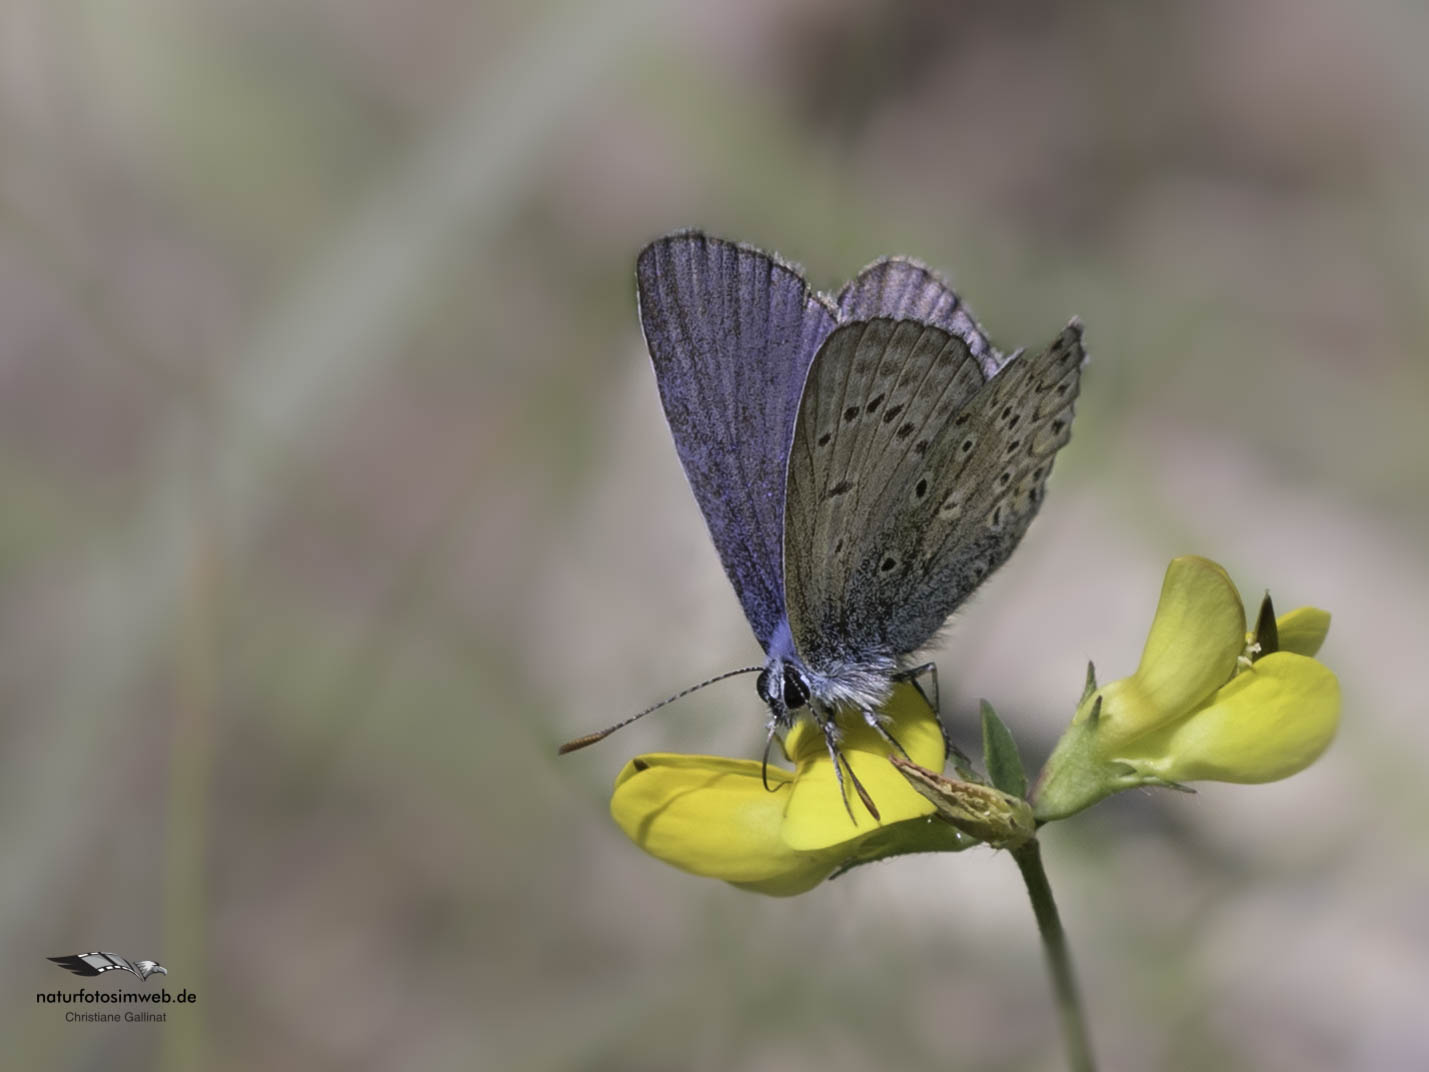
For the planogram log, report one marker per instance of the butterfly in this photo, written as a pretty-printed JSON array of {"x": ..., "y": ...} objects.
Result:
[{"x": 863, "y": 462}]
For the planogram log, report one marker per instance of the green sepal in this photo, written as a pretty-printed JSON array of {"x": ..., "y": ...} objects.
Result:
[
  {"x": 999, "y": 755},
  {"x": 962, "y": 763},
  {"x": 1091, "y": 685},
  {"x": 1074, "y": 777},
  {"x": 1162, "y": 783},
  {"x": 1267, "y": 633}
]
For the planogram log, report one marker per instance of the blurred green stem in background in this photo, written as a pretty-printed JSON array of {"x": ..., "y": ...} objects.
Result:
[{"x": 195, "y": 667}]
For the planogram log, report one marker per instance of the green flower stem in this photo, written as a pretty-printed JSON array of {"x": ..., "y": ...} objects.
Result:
[{"x": 1059, "y": 960}]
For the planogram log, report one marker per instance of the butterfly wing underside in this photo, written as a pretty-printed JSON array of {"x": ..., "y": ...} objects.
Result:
[
  {"x": 732, "y": 332},
  {"x": 911, "y": 478}
]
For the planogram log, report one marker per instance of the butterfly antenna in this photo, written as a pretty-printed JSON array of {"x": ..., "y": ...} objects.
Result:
[{"x": 600, "y": 735}]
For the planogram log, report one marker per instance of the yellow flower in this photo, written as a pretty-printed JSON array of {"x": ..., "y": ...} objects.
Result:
[
  {"x": 712, "y": 816},
  {"x": 1207, "y": 701}
]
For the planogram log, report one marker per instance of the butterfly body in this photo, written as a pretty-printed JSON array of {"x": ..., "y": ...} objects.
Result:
[
  {"x": 863, "y": 462},
  {"x": 788, "y": 686}
]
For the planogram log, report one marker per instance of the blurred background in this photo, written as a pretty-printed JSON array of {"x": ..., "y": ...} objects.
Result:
[{"x": 334, "y": 492}]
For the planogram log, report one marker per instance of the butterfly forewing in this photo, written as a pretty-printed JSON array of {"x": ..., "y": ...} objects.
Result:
[
  {"x": 874, "y": 569},
  {"x": 987, "y": 495},
  {"x": 871, "y": 405},
  {"x": 732, "y": 332}
]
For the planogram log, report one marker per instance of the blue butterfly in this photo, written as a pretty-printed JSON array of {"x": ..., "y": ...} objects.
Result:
[{"x": 863, "y": 462}]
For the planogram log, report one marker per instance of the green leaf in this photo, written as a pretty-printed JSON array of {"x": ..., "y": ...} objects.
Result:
[{"x": 999, "y": 754}]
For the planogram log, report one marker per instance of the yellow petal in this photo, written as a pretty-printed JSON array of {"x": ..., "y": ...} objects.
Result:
[
  {"x": 1268, "y": 723},
  {"x": 712, "y": 816},
  {"x": 913, "y": 723},
  {"x": 816, "y": 817},
  {"x": 1195, "y": 639},
  {"x": 1303, "y": 630}
]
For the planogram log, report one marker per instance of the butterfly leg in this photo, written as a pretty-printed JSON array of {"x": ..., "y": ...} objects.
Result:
[
  {"x": 961, "y": 762},
  {"x": 879, "y": 723},
  {"x": 840, "y": 764},
  {"x": 913, "y": 673}
]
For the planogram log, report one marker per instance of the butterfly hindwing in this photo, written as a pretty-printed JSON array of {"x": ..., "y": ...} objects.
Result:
[
  {"x": 732, "y": 332},
  {"x": 892, "y": 524},
  {"x": 902, "y": 289}
]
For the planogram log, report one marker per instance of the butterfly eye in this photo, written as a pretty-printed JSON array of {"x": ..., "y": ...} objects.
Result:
[
  {"x": 796, "y": 690},
  {"x": 761, "y": 686}
]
